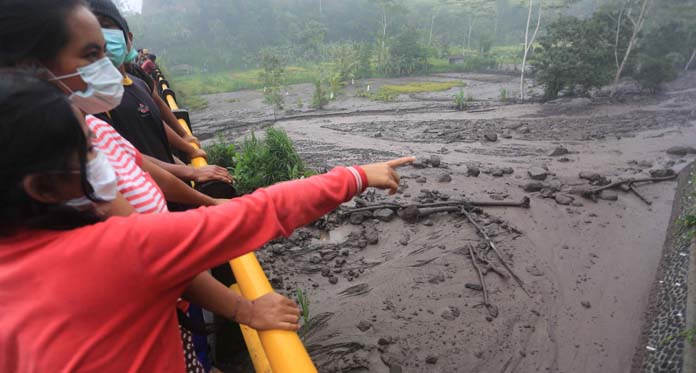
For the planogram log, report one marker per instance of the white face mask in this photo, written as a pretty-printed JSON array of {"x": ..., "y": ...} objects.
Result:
[
  {"x": 102, "y": 177},
  {"x": 104, "y": 87}
]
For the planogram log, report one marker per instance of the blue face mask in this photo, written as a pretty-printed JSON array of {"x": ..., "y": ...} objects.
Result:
[
  {"x": 131, "y": 55},
  {"x": 116, "y": 47}
]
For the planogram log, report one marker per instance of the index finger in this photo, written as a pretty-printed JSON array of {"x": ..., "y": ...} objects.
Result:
[{"x": 401, "y": 162}]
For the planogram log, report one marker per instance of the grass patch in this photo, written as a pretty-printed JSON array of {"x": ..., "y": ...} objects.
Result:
[{"x": 390, "y": 92}]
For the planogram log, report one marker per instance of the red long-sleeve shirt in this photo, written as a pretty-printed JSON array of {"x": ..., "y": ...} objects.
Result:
[{"x": 101, "y": 298}]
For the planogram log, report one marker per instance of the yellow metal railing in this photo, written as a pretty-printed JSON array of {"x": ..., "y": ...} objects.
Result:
[{"x": 277, "y": 351}]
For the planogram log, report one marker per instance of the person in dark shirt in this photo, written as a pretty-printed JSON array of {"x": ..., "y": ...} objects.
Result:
[{"x": 140, "y": 116}]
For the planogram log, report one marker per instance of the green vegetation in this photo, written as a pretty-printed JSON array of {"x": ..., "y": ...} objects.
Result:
[
  {"x": 260, "y": 163},
  {"x": 503, "y": 95},
  {"x": 390, "y": 92},
  {"x": 688, "y": 334},
  {"x": 273, "y": 78},
  {"x": 303, "y": 301},
  {"x": 460, "y": 102},
  {"x": 222, "y": 154},
  {"x": 319, "y": 99}
]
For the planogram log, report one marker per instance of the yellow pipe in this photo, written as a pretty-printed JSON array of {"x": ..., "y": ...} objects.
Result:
[
  {"x": 253, "y": 343},
  {"x": 284, "y": 349}
]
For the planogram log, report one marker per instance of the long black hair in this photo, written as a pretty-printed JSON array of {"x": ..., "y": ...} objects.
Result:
[
  {"x": 39, "y": 134},
  {"x": 33, "y": 30}
]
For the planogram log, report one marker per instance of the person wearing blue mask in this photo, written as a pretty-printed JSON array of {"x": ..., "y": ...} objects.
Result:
[{"x": 142, "y": 112}]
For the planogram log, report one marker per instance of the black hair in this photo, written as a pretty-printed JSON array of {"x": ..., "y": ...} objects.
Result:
[
  {"x": 33, "y": 29},
  {"x": 152, "y": 57},
  {"x": 39, "y": 134},
  {"x": 140, "y": 51}
]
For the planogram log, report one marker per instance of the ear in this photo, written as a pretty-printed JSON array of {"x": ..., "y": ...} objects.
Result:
[{"x": 39, "y": 189}]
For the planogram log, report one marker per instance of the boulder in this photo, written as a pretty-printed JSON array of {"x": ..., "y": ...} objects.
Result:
[
  {"x": 559, "y": 151},
  {"x": 538, "y": 173},
  {"x": 563, "y": 199}
]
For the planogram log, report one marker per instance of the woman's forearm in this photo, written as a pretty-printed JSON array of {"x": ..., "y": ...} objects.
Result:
[
  {"x": 210, "y": 294},
  {"x": 181, "y": 171},
  {"x": 178, "y": 142},
  {"x": 174, "y": 189},
  {"x": 168, "y": 116}
]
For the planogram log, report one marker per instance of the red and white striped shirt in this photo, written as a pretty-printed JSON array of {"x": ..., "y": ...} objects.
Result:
[{"x": 136, "y": 185}]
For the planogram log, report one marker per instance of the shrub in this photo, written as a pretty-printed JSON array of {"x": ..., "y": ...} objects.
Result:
[
  {"x": 653, "y": 72},
  {"x": 264, "y": 163},
  {"x": 319, "y": 99},
  {"x": 221, "y": 154},
  {"x": 461, "y": 102}
]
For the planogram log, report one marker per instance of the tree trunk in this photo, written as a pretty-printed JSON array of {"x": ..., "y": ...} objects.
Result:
[
  {"x": 432, "y": 24},
  {"x": 691, "y": 60},
  {"x": 528, "y": 42},
  {"x": 637, "y": 27},
  {"x": 471, "y": 27},
  {"x": 384, "y": 34},
  {"x": 618, "y": 33}
]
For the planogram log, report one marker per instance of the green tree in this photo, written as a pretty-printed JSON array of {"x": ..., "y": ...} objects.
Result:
[
  {"x": 406, "y": 55},
  {"x": 273, "y": 77},
  {"x": 573, "y": 56}
]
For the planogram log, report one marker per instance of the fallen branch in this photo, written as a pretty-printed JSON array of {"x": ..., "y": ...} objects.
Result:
[
  {"x": 490, "y": 243},
  {"x": 525, "y": 203},
  {"x": 633, "y": 189},
  {"x": 492, "y": 310},
  {"x": 626, "y": 183}
]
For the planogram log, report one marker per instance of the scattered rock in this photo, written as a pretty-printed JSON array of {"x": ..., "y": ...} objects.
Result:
[
  {"x": 421, "y": 180},
  {"x": 385, "y": 215},
  {"x": 393, "y": 362},
  {"x": 363, "y": 325},
  {"x": 681, "y": 150},
  {"x": 490, "y": 136},
  {"x": 450, "y": 313},
  {"x": 333, "y": 280},
  {"x": 359, "y": 217},
  {"x": 444, "y": 178},
  {"x": 559, "y": 151},
  {"x": 533, "y": 186},
  {"x": 431, "y": 360},
  {"x": 497, "y": 172},
  {"x": 418, "y": 164},
  {"x": 523, "y": 130},
  {"x": 404, "y": 240},
  {"x": 428, "y": 223},
  {"x": 371, "y": 235},
  {"x": 538, "y": 173},
  {"x": 645, "y": 164},
  {"x": 534, "y": 271},
  {"x": 378, "y": 134},
  {"x": 326, "y": 272},
  {"x": 435, "y": 161},
  {"x": 476, "y": 287},
  {"x": 665, "y": 172},
  {"x": 385, "y": 341},
  {"x": 506, "y": 135},
  {"x": 586, "y": 304},
  {"x": 563, "y": 199},
  {"x": 609, "y": 195},
  {"x": 472, "y": 171},
  {"x": 315, "y": 259},
  {"x": 508, "y": 170}
]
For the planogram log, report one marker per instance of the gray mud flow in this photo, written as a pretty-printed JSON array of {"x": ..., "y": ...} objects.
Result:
[{"x": 388, "y": 295}]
